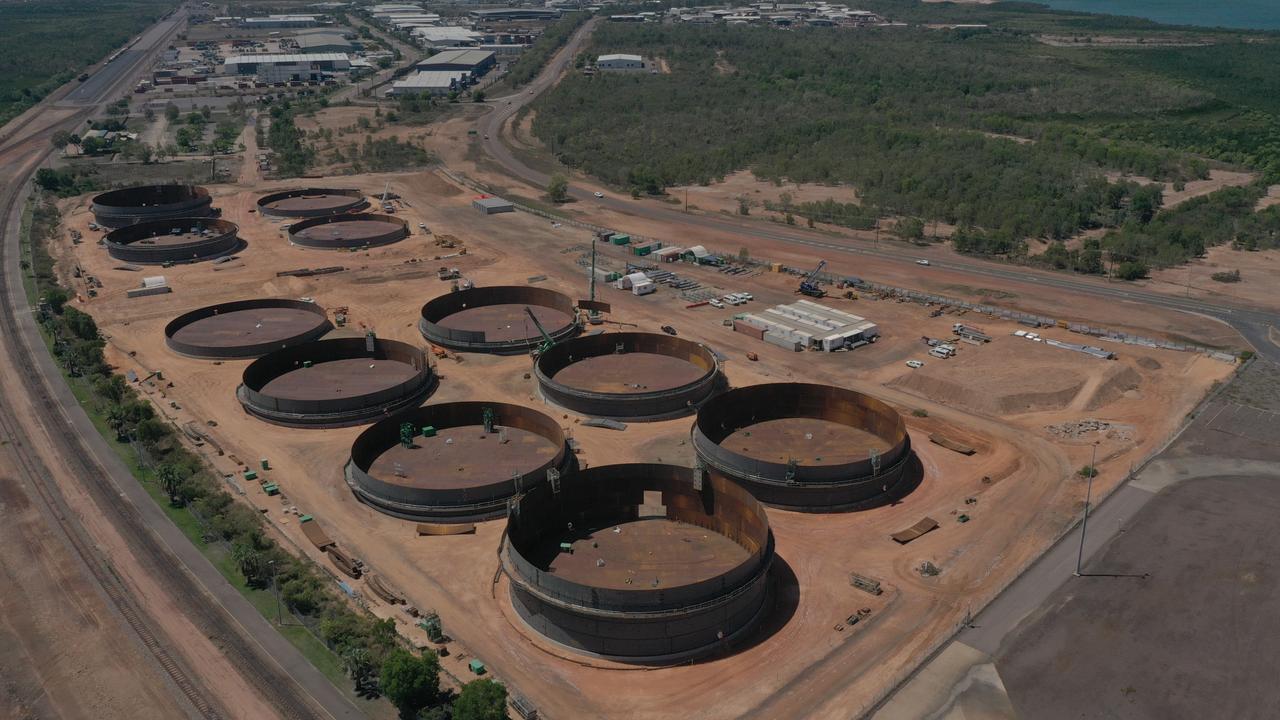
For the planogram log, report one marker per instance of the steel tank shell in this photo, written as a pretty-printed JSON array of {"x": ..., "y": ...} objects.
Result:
[
  {"x": 654, "y": 387},
  {"x": 312, "y": 202},
  {"x": 847, "y": 483},
  {"x": 424, "y": 492},
  {"x": 245, "y": 328},
  {"x": 127, "y": 206},
  {"x": 335, "y": 383},
  {"x": 439, "y": 322},
  {"x": 343, "y": 232},
  {"x": 153, "y": 242},
  {"x": 655, "y": 619}
]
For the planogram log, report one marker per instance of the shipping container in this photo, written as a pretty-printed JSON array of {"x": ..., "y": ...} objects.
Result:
[{"x": 747, "y": 329}]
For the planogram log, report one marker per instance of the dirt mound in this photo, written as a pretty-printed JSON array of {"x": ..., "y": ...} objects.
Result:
[
  {"x": 1053, "y": 395},
  {"x": 1121, "y": 380},
  {"x": 1149, "y": 363}
]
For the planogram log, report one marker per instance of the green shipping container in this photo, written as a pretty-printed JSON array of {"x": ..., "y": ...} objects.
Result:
[
  {"x": 619, "y": 239},
  {"x": 642, "y": 250},
  {"x": 477, "y": 667}
]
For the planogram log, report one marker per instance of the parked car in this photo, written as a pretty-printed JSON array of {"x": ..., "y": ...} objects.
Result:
[
  {"x": 922, "y": 262},
  {"x": 599, "y": 194},
  {"x": 668, "y": 330},
  {"x": 716, "y": 304},
  {"x": 913, "y": 364}
]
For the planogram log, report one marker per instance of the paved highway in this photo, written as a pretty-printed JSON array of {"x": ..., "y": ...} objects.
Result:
[
  {"x": 269, "y": 663},
  {"x": 1251, "y": 323}
]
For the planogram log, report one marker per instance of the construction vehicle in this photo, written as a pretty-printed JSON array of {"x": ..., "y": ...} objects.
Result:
[
  {"x": 547, "y": 343},
  {"x": 809, "y": 284}
]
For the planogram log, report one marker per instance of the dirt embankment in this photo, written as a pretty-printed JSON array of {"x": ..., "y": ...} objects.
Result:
[
  {"x": 1055, "y": 394},
  {"x": 1119, "y": 383}
]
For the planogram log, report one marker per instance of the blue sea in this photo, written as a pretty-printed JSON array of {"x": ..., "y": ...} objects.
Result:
[{"x": 1250, "y": 14}]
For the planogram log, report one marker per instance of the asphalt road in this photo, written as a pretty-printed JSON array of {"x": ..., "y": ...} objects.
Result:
[
  {"x": 101, "y": 82},
  {"x": 1251, "y": 323},
  {"x": 267, "y": 659}
]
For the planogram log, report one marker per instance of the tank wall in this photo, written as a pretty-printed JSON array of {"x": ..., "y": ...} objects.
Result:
[
  {"x": 245, "y": 351},
  {"x": 397, "y": 230},
  {"x": 271, "y": 366},
  {"x": 356, "y": 202},
  {"x": 127, "y": 206},
  {"x": 380, "y": 437},
  {"x": 439, "y": 308},
  {"x": 126, "y": 243}
]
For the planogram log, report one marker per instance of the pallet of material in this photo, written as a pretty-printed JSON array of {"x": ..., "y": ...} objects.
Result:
[
  {"x": 145, "y": 291},
  {"x": 925, "y": 525},
  {"x": 950, "y": 444},
  {"x": 317, "y": 535},
  {"x": 380, "y": 588},
  {"x": 343, "y": 561},
  {"x": 446, "y": 528}
]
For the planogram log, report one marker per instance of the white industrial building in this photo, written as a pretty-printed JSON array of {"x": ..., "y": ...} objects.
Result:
[
  {"x": 394, "y": 9},
  {"x": 620, "y": 62},
  {"x": 430, "y": 82},
  {"x": 813, "y": 325},
  {"x": 293, "y": 67},
  {"x": 314, "y": 43},
  {"x": 281, "y": 21},
  {"x": 445, "y": 36}
]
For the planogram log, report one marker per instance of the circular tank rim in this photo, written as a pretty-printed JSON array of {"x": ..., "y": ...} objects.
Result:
[
  {"x": 337, "y": 412},
  {"x": 706, "y": 592},
  {"x": 121, "y": 242},
  {"x": 656, "y": 404},
  {"x": 742, "y": 407},
  {"x": 398, "y": 232},
  {"x": 443, "y": 306},
  {"x": 110, "y": 198},
  {"x": 223, "y": 352},
  {"x": 358, "y": 201},
  {"x": 476, "y": 502}
]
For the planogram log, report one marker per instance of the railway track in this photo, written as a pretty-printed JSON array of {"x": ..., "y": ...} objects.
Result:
[{"x": 260, "y": 671}]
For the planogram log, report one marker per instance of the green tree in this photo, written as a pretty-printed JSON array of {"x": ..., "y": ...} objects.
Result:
[
  {"x": 171, "y": 477},
  {"x": 558, "y": 188},
  {"x": 57, "y": 299},
  {"x": 478, "y": 96},
  {"x": 482, "y": 699},
  {"x": 909, "y": 228},
  {"x": 358, "y": 663},
  {"x": 1131, "y": 270},
  {"x": 410, "y": 683},
  {"x": 60, "y": 139},
  {"x": 171, "y": 112}
]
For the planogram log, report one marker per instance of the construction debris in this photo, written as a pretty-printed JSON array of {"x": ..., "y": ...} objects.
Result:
[
  {"x": 1076, "y": 430},
  {"x": 950, "y": 444},
  {"x": 925, "y": 525},
  {"x": 604, "y": 423},
  {"x": 864, "y": 583}
]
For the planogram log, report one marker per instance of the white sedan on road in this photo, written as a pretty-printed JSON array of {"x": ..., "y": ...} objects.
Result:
[{"x": 599, "y": 194}]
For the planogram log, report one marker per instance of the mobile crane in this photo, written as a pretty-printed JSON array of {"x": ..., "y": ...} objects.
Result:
[{"x": 809, "y": 284}]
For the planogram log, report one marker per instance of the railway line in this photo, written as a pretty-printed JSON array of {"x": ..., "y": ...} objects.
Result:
[{"x": 271, "y": 677}]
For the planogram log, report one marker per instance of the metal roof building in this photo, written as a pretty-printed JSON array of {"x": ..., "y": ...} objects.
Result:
[
  {"x": 476, "y": 62},
  {"x": 317, "y": 43},
  {"x": 445, "y": 35},
  {"x": 430, "y": 82},
  {"x": 491, "y": 205}
]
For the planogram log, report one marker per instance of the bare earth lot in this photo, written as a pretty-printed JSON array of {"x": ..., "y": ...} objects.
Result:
[{"x": 1022, "y": 478}]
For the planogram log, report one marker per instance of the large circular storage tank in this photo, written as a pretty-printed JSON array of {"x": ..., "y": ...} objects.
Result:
[
  {"x": 455, "y": 468},
  {"x": 335, "y": 383},
  {"x": 180, "y": 240},
  {"x": 126, "y": 206},
  {"x": 813, "y": 448},
  {"x": 630, "y": 375},
  {"x": 495, "y": 320},
  {"x": 344, "y": 232},
  {"x": 245, "y": 328},
  {"x": 311, "y": 202},
  {"x": 639, "y": 563}
]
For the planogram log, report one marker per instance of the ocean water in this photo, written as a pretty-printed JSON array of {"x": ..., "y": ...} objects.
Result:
[{"x": 1250, "y": 14}]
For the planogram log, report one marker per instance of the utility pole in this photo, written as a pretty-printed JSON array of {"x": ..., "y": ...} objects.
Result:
[{"x": 1084, "y": 523}]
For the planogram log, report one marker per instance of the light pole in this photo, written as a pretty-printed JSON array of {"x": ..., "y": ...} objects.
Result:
[{"x": 1084, "y": 523}]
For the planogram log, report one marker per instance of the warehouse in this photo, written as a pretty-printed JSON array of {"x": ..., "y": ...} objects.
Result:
[
  {"x": 493, "y": 205},
  {"x": 282, "y": 21},
  {"x": 288, "y": 68},
  {"x": 807, "y": 324},
  {"x": 321, "y": 43},
  {"x": 445, "y": 36},
  {"x": 430, "y": 82},
  {"x": 620, "y": 62},
  {"x": 508, "y": 14},
  {"x": 475, "y": 62}
]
